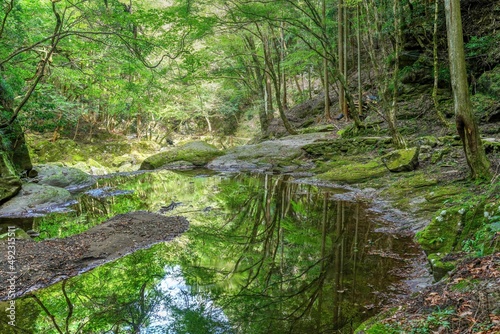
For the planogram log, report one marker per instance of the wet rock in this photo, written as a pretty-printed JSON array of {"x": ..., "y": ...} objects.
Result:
[
  {"x": 35, "y": 200},
  {"x": 63, "y": 177},
  {"x": 197, "y": 153},
  {"x": 405, "y": 160}
]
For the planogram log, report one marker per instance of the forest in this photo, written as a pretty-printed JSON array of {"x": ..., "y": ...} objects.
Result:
[{"x": 323, "y": 122}]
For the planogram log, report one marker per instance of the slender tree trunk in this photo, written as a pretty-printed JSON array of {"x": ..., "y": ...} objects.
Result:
[
  {"x": 466, "y": 124},
  {"x": 358, "y": 45},
  {"x": 326, "y": 79},
  {"x": 440, "y": 115},
  {"x": 397, "y": 138}
]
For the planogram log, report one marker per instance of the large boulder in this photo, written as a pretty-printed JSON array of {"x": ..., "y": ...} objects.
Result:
[
  {"x": 63, "y": 177},
  {"x": 404, "y": 160},
  {"x": 281, "y": 154},
  {"x": 197, "y": 153},
  {"x": 34, "y": 200}
]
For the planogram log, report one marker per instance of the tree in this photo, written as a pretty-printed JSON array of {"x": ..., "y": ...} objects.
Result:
[{"x": 466, "y": 124}]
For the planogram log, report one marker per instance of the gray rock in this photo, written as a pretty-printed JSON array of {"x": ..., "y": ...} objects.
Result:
[
  {"x": 63, "y": 177},
  {"x": 35, "y": 200}
]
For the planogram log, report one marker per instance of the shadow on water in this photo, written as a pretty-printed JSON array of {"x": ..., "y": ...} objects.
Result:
[{"x": 263, "y": 254}]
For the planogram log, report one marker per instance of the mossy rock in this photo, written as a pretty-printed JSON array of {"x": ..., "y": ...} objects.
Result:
[
  {"x": 443, "y": 193},
  {"x": 355, "y": 172},
  {"x": 489, "y": 83},
  {"x": 440, "y": 236},
  {"x": 10, "y": 184},
  {"x": 431, "y": 141},
  {"x": 34, "y": 199},
  {"x": 63, "y": 177},
  {"x": 440, "y": 268},
  {"x": 198, "y": 153},
  {"x": 319, "y": 128},
  {"x": 405, "y": 160},
  {"x": 9, "y": 187},
  {"x": 92, "y": 167},
  {"x": 409, "y": 190},
  {"x": 19, "y": 234}
]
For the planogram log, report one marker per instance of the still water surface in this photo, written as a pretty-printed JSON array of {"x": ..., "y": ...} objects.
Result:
[{"x": 264, "y": 254}]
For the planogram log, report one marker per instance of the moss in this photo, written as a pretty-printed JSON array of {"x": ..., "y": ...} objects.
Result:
[
  {"x": 319, "y": 128},
  {"x": 489, "y": 83},
  {"x": 401, "y": 160},
  {"x": 440, "y": 235},
  {"x": 440, "y": 267},
  {"x": 198, "y": 153},
  {"x": 374, "y": 326},
  {"x": 444, "y": 193},
  {"x": 355, "y": 172}
]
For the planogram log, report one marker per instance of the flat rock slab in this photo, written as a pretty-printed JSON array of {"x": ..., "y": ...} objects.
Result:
[
  {"x": 40, "y": 264},
  {"x": 266, "y": 155}
]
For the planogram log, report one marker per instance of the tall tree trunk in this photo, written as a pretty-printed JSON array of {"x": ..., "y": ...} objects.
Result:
[
  {"x": 341, "y": 56},
  {"x": 326, "y": 79},
  {"x": 466, "y": 124},
  {"x": 397, "y": 138},
  {"x": 266, "y": 109}
]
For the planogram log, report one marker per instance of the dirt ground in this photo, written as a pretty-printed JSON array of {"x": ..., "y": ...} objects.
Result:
[
  {"x": 40, "y": 264},
  {"x": 467, "y": 302}
]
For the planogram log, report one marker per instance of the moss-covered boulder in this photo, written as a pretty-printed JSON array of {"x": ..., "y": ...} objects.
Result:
[
  {"x": 197, "y": 153},
  {"x": 404, "y": 160},
  {"x": 440, "y": 238},
  {"x": 35, "y": 199},
  {"x": 63, "y": 177},
  {"x": 10, "y": 183},
  {"x": 352, "y": 172}
]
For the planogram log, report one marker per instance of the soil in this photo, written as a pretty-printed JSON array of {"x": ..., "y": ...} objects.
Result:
[
  {"x": 40, "y": 264},
  {"x": 467, "y": 302}
]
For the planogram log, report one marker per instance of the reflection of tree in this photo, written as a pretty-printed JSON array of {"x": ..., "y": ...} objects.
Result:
[
  {"x": 117, "y": 298},
  {"x": 293, "y": 259}
]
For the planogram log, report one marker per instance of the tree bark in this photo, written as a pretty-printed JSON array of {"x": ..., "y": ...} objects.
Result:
[
  {"x": 436, "y": 65},
  {"x": 466, "y": 124},
  {"x": 341, "y": 56}
]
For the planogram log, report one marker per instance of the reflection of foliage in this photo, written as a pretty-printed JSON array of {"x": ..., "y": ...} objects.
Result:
[
  {"x": 276, "y": 256},
  {"x": 149, "y": 192},
  {"x": 287, "y": 257}
]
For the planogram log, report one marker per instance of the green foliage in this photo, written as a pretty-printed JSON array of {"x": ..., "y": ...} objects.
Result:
[{"x": 478, "y": 46}]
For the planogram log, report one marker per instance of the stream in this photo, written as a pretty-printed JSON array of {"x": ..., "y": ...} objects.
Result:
[{"x": 263, "y": 254}]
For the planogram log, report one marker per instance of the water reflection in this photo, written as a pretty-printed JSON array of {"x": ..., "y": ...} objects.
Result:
[{"x": 263, "y": 255}]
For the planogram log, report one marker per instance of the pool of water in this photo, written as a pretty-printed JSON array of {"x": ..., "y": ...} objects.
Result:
[{"x": 264, "y": 254}]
